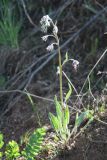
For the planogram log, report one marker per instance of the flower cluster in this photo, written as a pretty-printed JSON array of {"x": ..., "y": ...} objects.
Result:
[{"x": 47, "y": 22}]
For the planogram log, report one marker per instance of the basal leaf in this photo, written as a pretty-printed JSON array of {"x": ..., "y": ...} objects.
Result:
[
  {"x": 58, "y": 109},
  {"x": 54, "y": 122},
  {"x": 67, "y": 114}
]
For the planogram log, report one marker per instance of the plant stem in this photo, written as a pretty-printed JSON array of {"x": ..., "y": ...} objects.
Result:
[
  {"x": 60, "y": 66},
  {"x": 60, "y": 75}
]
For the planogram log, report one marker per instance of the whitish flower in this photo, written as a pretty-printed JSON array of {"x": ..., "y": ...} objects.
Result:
[
  {"x": 58, "y": 70},
  {"x": 44, "y": 38},
  {"x": 45, "y": 23},
  {"x": 75, "y": 64},
  {"x": 50, "y": 47},
  {"x": 55, "y": 29}
]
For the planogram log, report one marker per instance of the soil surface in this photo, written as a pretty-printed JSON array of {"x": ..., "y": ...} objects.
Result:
[{"x": 91, "y": 145}]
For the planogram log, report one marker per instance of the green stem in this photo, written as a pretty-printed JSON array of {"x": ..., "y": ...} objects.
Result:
[
  {"x": 60, "y": 69},
  {"x": 60, "y": 76}
]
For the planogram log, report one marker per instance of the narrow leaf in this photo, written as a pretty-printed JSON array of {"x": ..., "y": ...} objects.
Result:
[
  {"x": 54, "y": 122},
  {"x": 67, "y": 114},
  {"x": 66, "y": 58},
  {"x": 69, "y": 92},
  {"x": 82, "y": 117},
  {"x": 58, "y": 109}
]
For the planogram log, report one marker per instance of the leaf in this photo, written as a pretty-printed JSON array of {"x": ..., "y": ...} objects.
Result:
[
  {"x": 65, "y": 131},
  {"x": 69, "y": 93},
  {"x": 67, "y": 115},
  {"x": 80, "y": 119},
  {"x": 84, "y": 115},
  {"x": 34, "y": 145},
  {"x": 1, "y": 140},
  {"x": 66, "y": 58},
  {"x": 58, "y": 109},
  {"x": 1, "y": 154},
  {"x": 12, "y": 150},
  {"x": 30, "y": 99},
  {"x": 54, "y": 122}
]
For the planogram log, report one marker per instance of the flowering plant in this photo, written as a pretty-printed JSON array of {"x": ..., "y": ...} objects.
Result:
[{"x": 59, "y": 122}]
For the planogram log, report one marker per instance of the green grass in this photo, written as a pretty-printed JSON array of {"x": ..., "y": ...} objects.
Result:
[{"x": 9, "y": 25}]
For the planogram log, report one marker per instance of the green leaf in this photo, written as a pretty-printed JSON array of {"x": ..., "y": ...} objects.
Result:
[
  {"x": 54, "y": 122},
  {"x": 30, "y": 99},
  {"x": 9, "y": 25},
  {"x": 12, "y": 150},
  {"x": 69, "y": 93},
  {"x": 66, "y": 119},
  {"x": 65, "y": 125},
  {"x": 34, "y": 145},
  {"x": 66, "y": 58},
  {"x": 84, "y": 115},
  {"x": 67, "y": 114},
  {"x": 1, "y": 140},
  {"x": 1, "y": 154},
  {"x": 58, "y": 109}
]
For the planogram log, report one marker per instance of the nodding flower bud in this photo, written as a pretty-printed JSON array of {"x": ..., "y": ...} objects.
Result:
[
  {"x": 45, "y": 23},
  {"x": 75, "y": 64},
  {"x": 44, "y": 38},
  {"x": 58, "y": 70},
  {"x": 50, "y": 47}
]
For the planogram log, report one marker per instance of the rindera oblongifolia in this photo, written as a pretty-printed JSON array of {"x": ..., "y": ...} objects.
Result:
[{"x": 60, "y": 122}]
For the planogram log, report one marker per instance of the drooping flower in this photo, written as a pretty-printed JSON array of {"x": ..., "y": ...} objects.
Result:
[
  {"x": 50, "y": 47},
  {"x": 44, "y": 38},
  {"x": 45, "y": 23},
  {"x": 75, "y": 64},
  {"x": 58, "y": 70}
]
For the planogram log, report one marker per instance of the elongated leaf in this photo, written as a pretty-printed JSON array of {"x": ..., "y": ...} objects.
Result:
[
  {"x": 54, "y": 122},
  {"x": 30, "y": 99},
  {"x": 67, "y": 114},
  {"x": 69, "y": 92},
  {"x": 1, "y": 140},
  {"x": 66, "y": 58},
  {"x": 58, "y": 109},
  {"x": 64, "y": 124},
  {"x": 82, "y": 117},
  {"x": 66, "y": 120}
]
